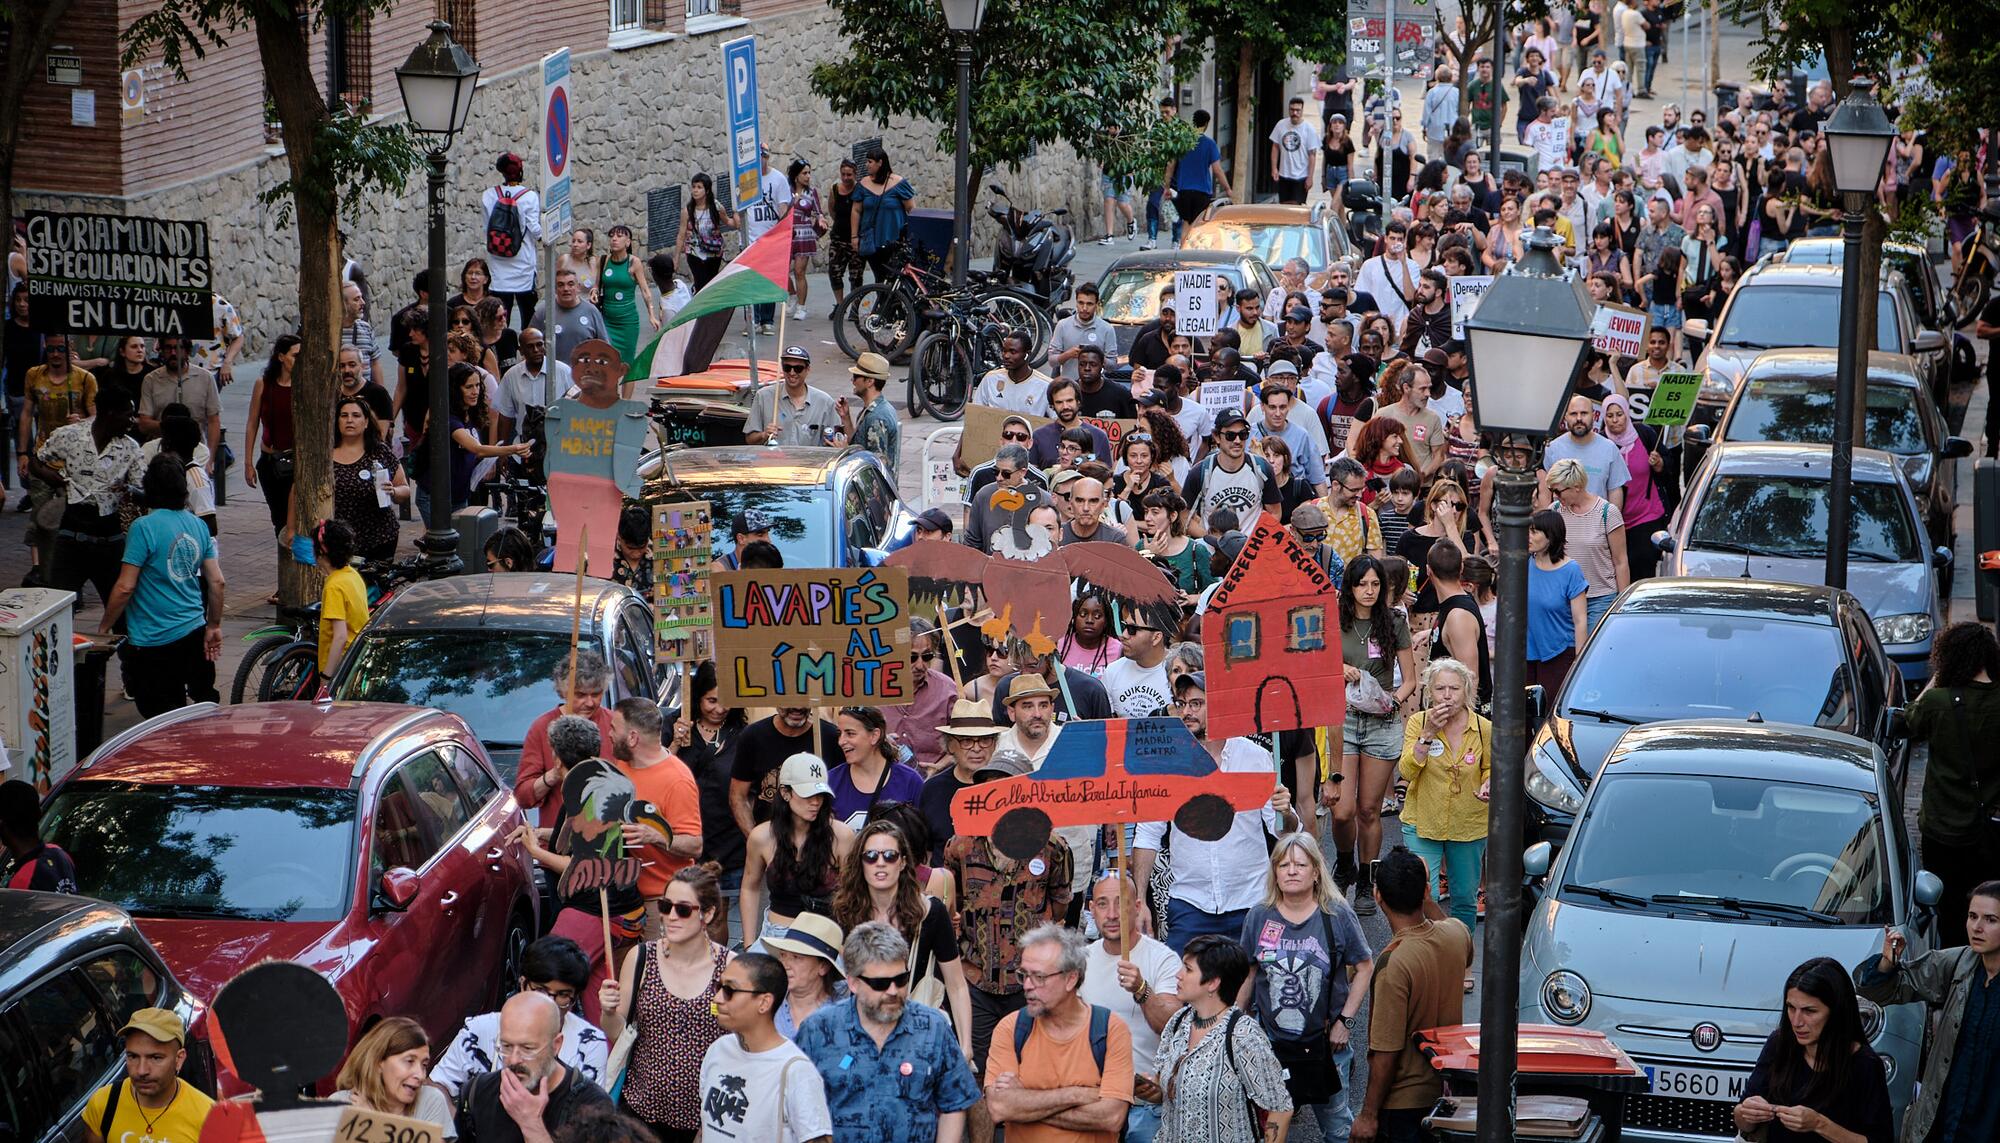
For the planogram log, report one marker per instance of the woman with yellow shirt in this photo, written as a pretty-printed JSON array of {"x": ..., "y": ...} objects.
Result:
[
  {"x": 1447, "y": 760},
  {"x": 343, "y": 609}
]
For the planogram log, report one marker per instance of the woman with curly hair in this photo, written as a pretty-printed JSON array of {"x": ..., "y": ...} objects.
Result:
[
  {"x": 1090, "y": 644},
  {"x": 880, "y": 883},
  {"x": 799, "y": 851},
  {"x": 1958, "y": 710},
  {"x": 469, "y": 418},
  {"x": 1375, "y": 640},
  {"x": 1379, "y": 448}
]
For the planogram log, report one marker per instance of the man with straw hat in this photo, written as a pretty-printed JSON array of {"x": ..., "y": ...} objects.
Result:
[{"x": 969, "y": 738}]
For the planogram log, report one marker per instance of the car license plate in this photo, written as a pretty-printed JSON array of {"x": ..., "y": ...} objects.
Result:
[{"x": 1697, "y": 1083}]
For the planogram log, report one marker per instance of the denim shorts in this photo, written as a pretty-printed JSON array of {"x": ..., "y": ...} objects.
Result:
[
  {"x": 1376, "y": 735},
  {"x": 1113, "y": 188},
  {"x": 1665, "y": 316}
]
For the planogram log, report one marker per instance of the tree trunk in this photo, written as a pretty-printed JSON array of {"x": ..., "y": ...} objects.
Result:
[
  {"x": 1243, "y": 179},
  {"x": 31, "y": 32},
  {"x": 281, "y": 41},
  {"x": 1714, "y": 53}
]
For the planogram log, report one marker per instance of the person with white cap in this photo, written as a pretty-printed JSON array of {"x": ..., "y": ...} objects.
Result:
[
  {"x": 969, "y": 738},
  {"x": 878, "y": 430},
  {"x": 809, "y": 949},
  {"x": 799, "y": 852},
  {"x": 804, "y": 414},
  {"x": 151, "y": 1101}
]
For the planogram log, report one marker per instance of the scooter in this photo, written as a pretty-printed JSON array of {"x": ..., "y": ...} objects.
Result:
[
  {"x": 1365, "y": 207},
  {"x": 1035, "y": 249}
]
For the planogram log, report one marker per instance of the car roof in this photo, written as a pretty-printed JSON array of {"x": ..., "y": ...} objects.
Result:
[
  {"x": 1814, "y": 275},
  {"x": 507, "y": 601},
  {"x": 1763, "y": 598},
  {"x": 1884, "y": 368},
  {"x": 38, "y": 930},
  {"x": 748, "y": 464},
  {"x": 1790, "y": 458},
  {"x": 323, "y": 744},
  {"x": 1173, "y": 259},
  {"x": 1260, "y": 213},
  {"x": 1767, "y": 751},
  {"x": 1829, "y": 251}
]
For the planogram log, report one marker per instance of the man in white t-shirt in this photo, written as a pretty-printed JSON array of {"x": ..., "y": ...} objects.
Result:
[
  {"x": 1015, "y": 386},
  {"x": 755, "y": 1084},
  {"x": 774, "y": 202},
  {"x": 1601, "y": 460},
  {"x": 1137, "y": 983},
  {"x": 1136, "y": 682},
  {"x": 512, "y": 273},
  {"x": 1294, "y": 150}
]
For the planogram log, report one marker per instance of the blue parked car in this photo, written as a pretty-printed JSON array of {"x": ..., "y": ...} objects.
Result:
[{"x": 828, "y": 507}]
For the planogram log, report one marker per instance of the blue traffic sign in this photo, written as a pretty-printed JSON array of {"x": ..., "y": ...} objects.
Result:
[{"x": 739, "y": 89}]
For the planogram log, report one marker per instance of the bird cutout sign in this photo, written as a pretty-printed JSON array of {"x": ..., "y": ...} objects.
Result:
[
  {"x": 598, "y": 802},
  {"x": 1270, "y": 640},
  {"x": 1110, "y": 772},
  {"x": 1029, "y": 599}
]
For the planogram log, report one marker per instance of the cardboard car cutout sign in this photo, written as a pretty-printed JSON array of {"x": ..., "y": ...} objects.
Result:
[
  {"x": 1113, "y": 771},
  {"x": 1271, "y": 640}
]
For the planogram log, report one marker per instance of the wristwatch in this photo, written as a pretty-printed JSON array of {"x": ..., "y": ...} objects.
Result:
[{"x": 1342, "y": 1017}]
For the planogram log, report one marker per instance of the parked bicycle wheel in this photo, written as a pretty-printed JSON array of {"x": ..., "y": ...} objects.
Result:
[
  {"x": 878, "y": 317},
  {"x": 253, "y": 664},
  {"x": 293, "y": 674},
  {"x": 1016, "y": 310},
  {"x": 941, "y": 374}
]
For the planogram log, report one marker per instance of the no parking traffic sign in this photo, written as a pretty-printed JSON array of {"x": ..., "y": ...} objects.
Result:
[{"x": 557, "y": 145}]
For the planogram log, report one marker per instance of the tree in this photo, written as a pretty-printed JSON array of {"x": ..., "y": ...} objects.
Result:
[
  {"x": 332, "y": 153},
  {"x": 1260, "y": 32},
  {"x": 30, "y": 27},
  {"x": 1081, "y": 74}
]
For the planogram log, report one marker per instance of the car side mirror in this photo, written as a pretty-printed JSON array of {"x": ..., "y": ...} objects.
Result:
[
  {"x": 1536, "y": 859},
  {"x": 1941, "y": 557},
  {"x": 873, "y": 557},
  {"x": 1899, "y": 722},
  {"x": 1927, "y": 341},
  {"x": 1956, "y": 447},
  {"x": 1698, "y": 435},
  {"x": 399, "y": 887},
  {"x": 1927, "y": 889},
  {"x": 1695, "y": 329},
  {"x": 1664, "y": 541},
  {"x": 1538, "y": 700}
]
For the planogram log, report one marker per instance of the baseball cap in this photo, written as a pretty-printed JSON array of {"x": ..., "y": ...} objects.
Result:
[
  {"x": 934, "y": 520},
  {"x": 1228, "y": 417},
  {"x": 1192, "y": 681},
  {"x": 1062, "y": 476},
  {"x": 1308, "y": 518},
  {"x": 1434, "y": 357},
  {"x": 1005, "y": 764},
  {"x": 871, "y": 365},
  {"x": 749, "y": 522},
  {"x": 805, "y": 775},
  {"x": 159, "y": 1023},
  {"x": 1298, "y": 313},
  {"x": 1231, "y": 545},
  {"x": 1282, "y": 368},
  {"x": 798, "y": 353}
]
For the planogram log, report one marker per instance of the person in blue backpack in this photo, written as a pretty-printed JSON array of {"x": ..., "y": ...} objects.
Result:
[{"x": 1046, "y": 1079}]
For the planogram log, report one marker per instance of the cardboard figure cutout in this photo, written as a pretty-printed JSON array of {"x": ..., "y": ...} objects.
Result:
[
  {"x": 595, "y": 441},
  {"x": 1030, "y": 599}
]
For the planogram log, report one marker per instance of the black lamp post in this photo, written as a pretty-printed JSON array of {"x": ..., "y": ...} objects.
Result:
[
  {"x": 963, "y": 17},
  {"x": 1858, "y": 135},
  {"x": 1527, "y": 344},
  {"x": 438, "y": 81}
]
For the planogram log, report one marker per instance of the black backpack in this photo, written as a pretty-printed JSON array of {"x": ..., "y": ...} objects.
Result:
[{"x": 503, "y": 226}]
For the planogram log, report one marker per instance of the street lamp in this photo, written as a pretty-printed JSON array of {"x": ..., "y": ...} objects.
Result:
[
  {"x": 963, "y": 17},
  {"x": 1527, "y": 343},
  {"x": 1858, "y": 135},
  {"x": 437, "y": 81}
]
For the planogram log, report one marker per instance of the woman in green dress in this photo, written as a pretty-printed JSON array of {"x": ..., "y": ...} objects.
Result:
[{"x": 621, "y": 287}]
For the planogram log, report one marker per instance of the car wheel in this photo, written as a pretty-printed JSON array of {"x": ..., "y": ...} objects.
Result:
[
  {"x": 1205, "y": 817},
  {"x": 512, "y": 954},
  {"x": 1021, "y": 834}
]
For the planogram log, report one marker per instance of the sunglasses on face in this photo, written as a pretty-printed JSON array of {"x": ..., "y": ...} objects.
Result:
[
  {"x": 1014, "y": 436},
  {"x": 680, "y": 909},
  {"x": 885, "y": 983},
  {"x": 790, "y": 368},
  {"x": 730, "y": 991},
  {"x": 1234, "y": 435},
  {"x": 1313, "y": 535},
  {"x": 1006, "y": 473},
  {"x": 992, "y": 650},
  {"x": 925, "y": 656},
  {"x": 881, "y": 856}
]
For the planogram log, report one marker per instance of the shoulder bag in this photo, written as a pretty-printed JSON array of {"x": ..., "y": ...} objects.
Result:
[{"x": 930, "y": 989}]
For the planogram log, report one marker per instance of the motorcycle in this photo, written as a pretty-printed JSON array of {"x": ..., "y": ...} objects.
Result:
[
  {"x": 1035, "y": 249},
  {"x": 1365, "y": 208},
  {"x": 1979, "y": 257}
]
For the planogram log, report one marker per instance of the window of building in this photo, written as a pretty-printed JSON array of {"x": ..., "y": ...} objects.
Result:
[
  {"x": 1308, "y": 628},
  {"x": 357, "y": 64},
  {"x": 464, "y": 23},
  {"x": 697, "y": 8},
  {"x": 639, "y": 15},
  {"x": 1242, "y": 636}
]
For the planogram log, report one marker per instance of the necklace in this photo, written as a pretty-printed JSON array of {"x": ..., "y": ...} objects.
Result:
[
  {"x": 150, "y": 1121},
  {"x": 1204, "y": 1022}
]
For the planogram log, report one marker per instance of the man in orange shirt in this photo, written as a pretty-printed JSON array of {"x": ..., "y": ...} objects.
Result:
[
  {"x": 664, "y": 780},
  {"x": 1057, "y": 1086}
]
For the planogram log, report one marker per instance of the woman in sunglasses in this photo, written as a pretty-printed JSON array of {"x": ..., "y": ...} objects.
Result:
[
  {"x": 880, "y": 883},
  {"x": 998, "y": 666},
  {"x": 666, "y": 992}
]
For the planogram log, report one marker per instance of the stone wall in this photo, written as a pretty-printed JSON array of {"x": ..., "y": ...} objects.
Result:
[{"x": 644, "y": 118}]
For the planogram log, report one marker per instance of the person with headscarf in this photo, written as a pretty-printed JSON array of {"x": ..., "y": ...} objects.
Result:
[{"x": 1644, "y": 506}]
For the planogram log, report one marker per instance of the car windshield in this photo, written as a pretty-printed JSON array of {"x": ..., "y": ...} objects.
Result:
[
  {"x": 1274, "y": 242},
  {"x": 1785, "y": 517},
  {"x": 1793, "y": 409},
  {"x": 1650, "y": 667},
  {"x": 1133, "y": 296},
  {"x": 1773, "y": 317},
  {"x": 798, "y": 516},
  {"x": 208, "y": 851},
  {"x": 1909, "y": 263},
  {"x": 497, "y": 680},
  {"x": 1750, "y": 841}
]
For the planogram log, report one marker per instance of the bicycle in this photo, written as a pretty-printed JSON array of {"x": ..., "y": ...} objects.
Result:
[
  {"x": 285, "y": 657},
  {"x": 888, "y": 317},
  {"x": 960, "y": 344}
]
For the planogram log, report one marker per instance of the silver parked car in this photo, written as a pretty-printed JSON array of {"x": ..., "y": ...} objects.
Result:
[{"x": 1710, "y": 860}]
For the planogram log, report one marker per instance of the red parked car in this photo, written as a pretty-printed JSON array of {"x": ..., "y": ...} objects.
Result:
[{"x": 367, "y": 841}]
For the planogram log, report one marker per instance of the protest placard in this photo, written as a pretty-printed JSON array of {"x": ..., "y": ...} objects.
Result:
[
  {"x": 683, "y": 549},
  {"x": 1466, "y": 291},
  {"x": 1195, "y": 310},
  {"x": 1673, "y": 398},
  {"x": 1619, "y": 330},
  {"x": 983, "y": 424},
  {"x": 112, "y": 274},
  {"x": 1220, "y": 396},
  {"x": 1271, "y": 662},
  {"x": 812, "y": 637}
]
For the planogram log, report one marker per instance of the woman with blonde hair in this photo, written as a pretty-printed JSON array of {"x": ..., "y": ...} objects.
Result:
[
  {"x": 386, "y": 1072},
  {"x": 879, "y": 882},
  {"x": 1448, "y": 762},
  {"x": 1310, "y": 970},
  {"x": 1596, "y": 539}
]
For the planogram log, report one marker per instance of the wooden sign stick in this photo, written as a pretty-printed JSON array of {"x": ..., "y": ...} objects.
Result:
[
  {"x": 604, "y": 912},
  {"x": 1126, "y": 935},
  {"x": 576, "y": 609}
]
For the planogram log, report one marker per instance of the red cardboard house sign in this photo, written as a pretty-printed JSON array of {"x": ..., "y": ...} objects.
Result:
[{"x": 1271, "y": 640}]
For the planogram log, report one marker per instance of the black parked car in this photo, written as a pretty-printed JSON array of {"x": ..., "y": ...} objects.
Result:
[{"x": 1712, "y": 648}]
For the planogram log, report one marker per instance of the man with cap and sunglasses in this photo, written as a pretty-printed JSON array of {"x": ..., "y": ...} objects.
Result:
[
  {"x": 969, "y": 737},
  {"x": 878, "y": 430},
  {"x": 805, "y": 414},
  {"x": 1230, "y": 477},
  {"x": 151, "y": 1102}
]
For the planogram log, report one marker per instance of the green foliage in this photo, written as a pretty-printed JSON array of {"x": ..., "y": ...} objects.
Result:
[
  {"x": 1084, "y": 74},
  {"x": 1855, "y": 35},
  {"x": 1274, "y": 29},
  {"x": 1956, "y": 94},
  {"x": 351, "y": 157}
]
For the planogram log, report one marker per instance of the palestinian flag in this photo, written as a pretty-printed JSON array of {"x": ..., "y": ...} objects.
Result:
[{"x": 757, "y": 277}]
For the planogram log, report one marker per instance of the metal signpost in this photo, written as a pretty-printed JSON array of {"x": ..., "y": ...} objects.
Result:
[
  {"x": 558, "y": 144},
  {"x": 746, "y": 150}
]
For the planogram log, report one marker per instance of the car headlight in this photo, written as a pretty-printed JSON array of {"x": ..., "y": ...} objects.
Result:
[
  {"x": 1716, "y": 385},
  {"x": 1549, "y": 789},
  {"x": 1912, "y": 628},
  {"x": 1871, "y": 1019},
  {"x": 1565, "y": 997},
  {"x": 1917, "y": 469}
]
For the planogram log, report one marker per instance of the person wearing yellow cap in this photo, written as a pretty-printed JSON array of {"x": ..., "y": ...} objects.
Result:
[{"x": 151, "y": 1102}]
